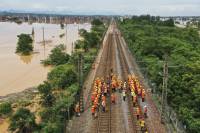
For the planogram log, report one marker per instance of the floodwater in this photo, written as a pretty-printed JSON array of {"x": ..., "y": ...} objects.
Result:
[{"x": 18, "y": 73}]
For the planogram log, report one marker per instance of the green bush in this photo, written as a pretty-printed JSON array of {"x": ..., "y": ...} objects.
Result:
[
  {"x": 24, "y": 44},
  {"x": 5, "y": 108},
  {"x": 23, "y": 121},
  {"x": 58, "y": 56},
  {"x": 47, "y": 97},
  {"x": 62, "y": 76}
]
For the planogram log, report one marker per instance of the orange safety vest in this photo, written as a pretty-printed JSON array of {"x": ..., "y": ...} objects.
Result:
[
  {"x": 92, "y": 98},
  {"x": 96, "y": 102},
  {"x": 77, "y": 108},
  {"x": 93, "y": 109},
  {"x": 138, "y": 111},
  {"x": 134, "y": 99},
  {"x": 143, "y": 94},
  {"x": 112, "y": 97},
  {"x": 139, "y": 91}
]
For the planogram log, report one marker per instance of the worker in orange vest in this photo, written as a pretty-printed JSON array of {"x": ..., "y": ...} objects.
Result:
[
  {"x": 138, "y": 113},
  {"x": 134, "y": 100},
  {"x": 120, "y": 86},
  {"x": 96, "y": 102},
  {"x": 77, "y": 109},
  {"x": 139, "y": 91},
  {"x": 143, "y": 95},
  {"x": 103, "y": 98},
  {"x": 93, "y": 98},
  {"x": 113, "y": 98},
  {"x": 93, "y": 110}
]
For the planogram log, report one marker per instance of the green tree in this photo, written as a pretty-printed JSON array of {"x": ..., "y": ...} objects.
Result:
[
  {"x": 62, "y": 76},
  {"x": 52, "y": 127},
  {"x": 62, "y": 26},
  {"x": 24, "y": 44},
  {"x": 5, "y": 108},
  {"x": 23, "y": 121},
  {"x": 169, "y": 22},
  {"x": 149, "y": 39},
  {"x": 58, "y": 56},
  {"x": 47, "y": 97},
  {"x": 97, "y": 22}
]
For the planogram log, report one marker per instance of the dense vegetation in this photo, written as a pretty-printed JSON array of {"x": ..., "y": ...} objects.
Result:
[
  {"x": 24, "y": 44},
  {"x": 61, "y": 90},
  {"x": 5, "y": 108},
  {"x": 58, "y": 56},
  {"x": 149, "y": 39},
  {"x": 23, "y": 121}
]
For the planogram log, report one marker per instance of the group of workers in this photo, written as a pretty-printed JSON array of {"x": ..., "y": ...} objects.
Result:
[
  {"x": 102, "y": 88},
  {"x": 137, "y": 90}
]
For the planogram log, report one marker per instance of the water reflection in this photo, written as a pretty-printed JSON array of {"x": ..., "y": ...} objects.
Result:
[{"x": 26, "y": 59}]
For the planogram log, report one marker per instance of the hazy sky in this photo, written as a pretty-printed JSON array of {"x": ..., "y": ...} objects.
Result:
[{"x": 136, "y": 7}]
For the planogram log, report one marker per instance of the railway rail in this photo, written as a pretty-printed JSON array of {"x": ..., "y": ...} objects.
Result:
[
  {"x": 125, "y": 72},
  {"x": 104, "y": 118}
]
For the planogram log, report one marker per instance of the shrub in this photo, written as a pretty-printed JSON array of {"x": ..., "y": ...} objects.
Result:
[
  {"x": 5, "y": 108},
  {"x": 24, "y": 44}
]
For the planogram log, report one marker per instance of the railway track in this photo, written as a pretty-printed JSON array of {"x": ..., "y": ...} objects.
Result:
[
  {"x": 111, "y": 120},
  {"x": 104, "y": 118},
  {"x": 125, "y": 72}
]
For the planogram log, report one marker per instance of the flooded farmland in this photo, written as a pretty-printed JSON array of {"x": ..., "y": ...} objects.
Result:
[{"x": 18, "y": 73}]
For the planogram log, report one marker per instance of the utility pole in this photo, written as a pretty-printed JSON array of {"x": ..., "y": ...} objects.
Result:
[
  {"x": 66, "y": 38},
  {"x": 80, "y": 76},
  {"x": 43, "y": 40},
  {"x": 164, "y": 89},
  {"x": 43, "y": 35},
  {"x": 72, "y": 47},
  {"x": 33, "y": 35}
]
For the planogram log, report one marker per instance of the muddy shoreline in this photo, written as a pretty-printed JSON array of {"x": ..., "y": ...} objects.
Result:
[{"x": 23, "y": 95}]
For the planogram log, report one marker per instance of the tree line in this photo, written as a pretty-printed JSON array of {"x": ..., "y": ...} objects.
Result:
[{"x": 149, "y": 39}]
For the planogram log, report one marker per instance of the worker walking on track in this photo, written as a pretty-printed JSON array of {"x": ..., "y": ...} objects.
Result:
[
  {"x": 142, "y": 126},
  {"x": 120, "y": 86},
  {"x": 138, "y": 113},
  {"x": 103, "y": 103},
  {"x": 93, "y": 97},
  {"x": 134, "y": 100},
  {"x": 145, "y": 111},
  {"x": 93, "y": 111},
  {"x": 113, "y": 98},
  {"x": 77, "y": 109},
  {"x": 124, "y": 95},
  {"x": 133, "y": 94},
  {"x": 143, "y": 95}
]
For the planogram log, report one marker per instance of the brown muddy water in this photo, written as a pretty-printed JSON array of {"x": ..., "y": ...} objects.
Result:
[{"x": 18, "y": 73}]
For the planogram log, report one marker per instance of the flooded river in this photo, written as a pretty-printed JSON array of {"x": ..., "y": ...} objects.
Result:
[{"x": 18, "y": 73}]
